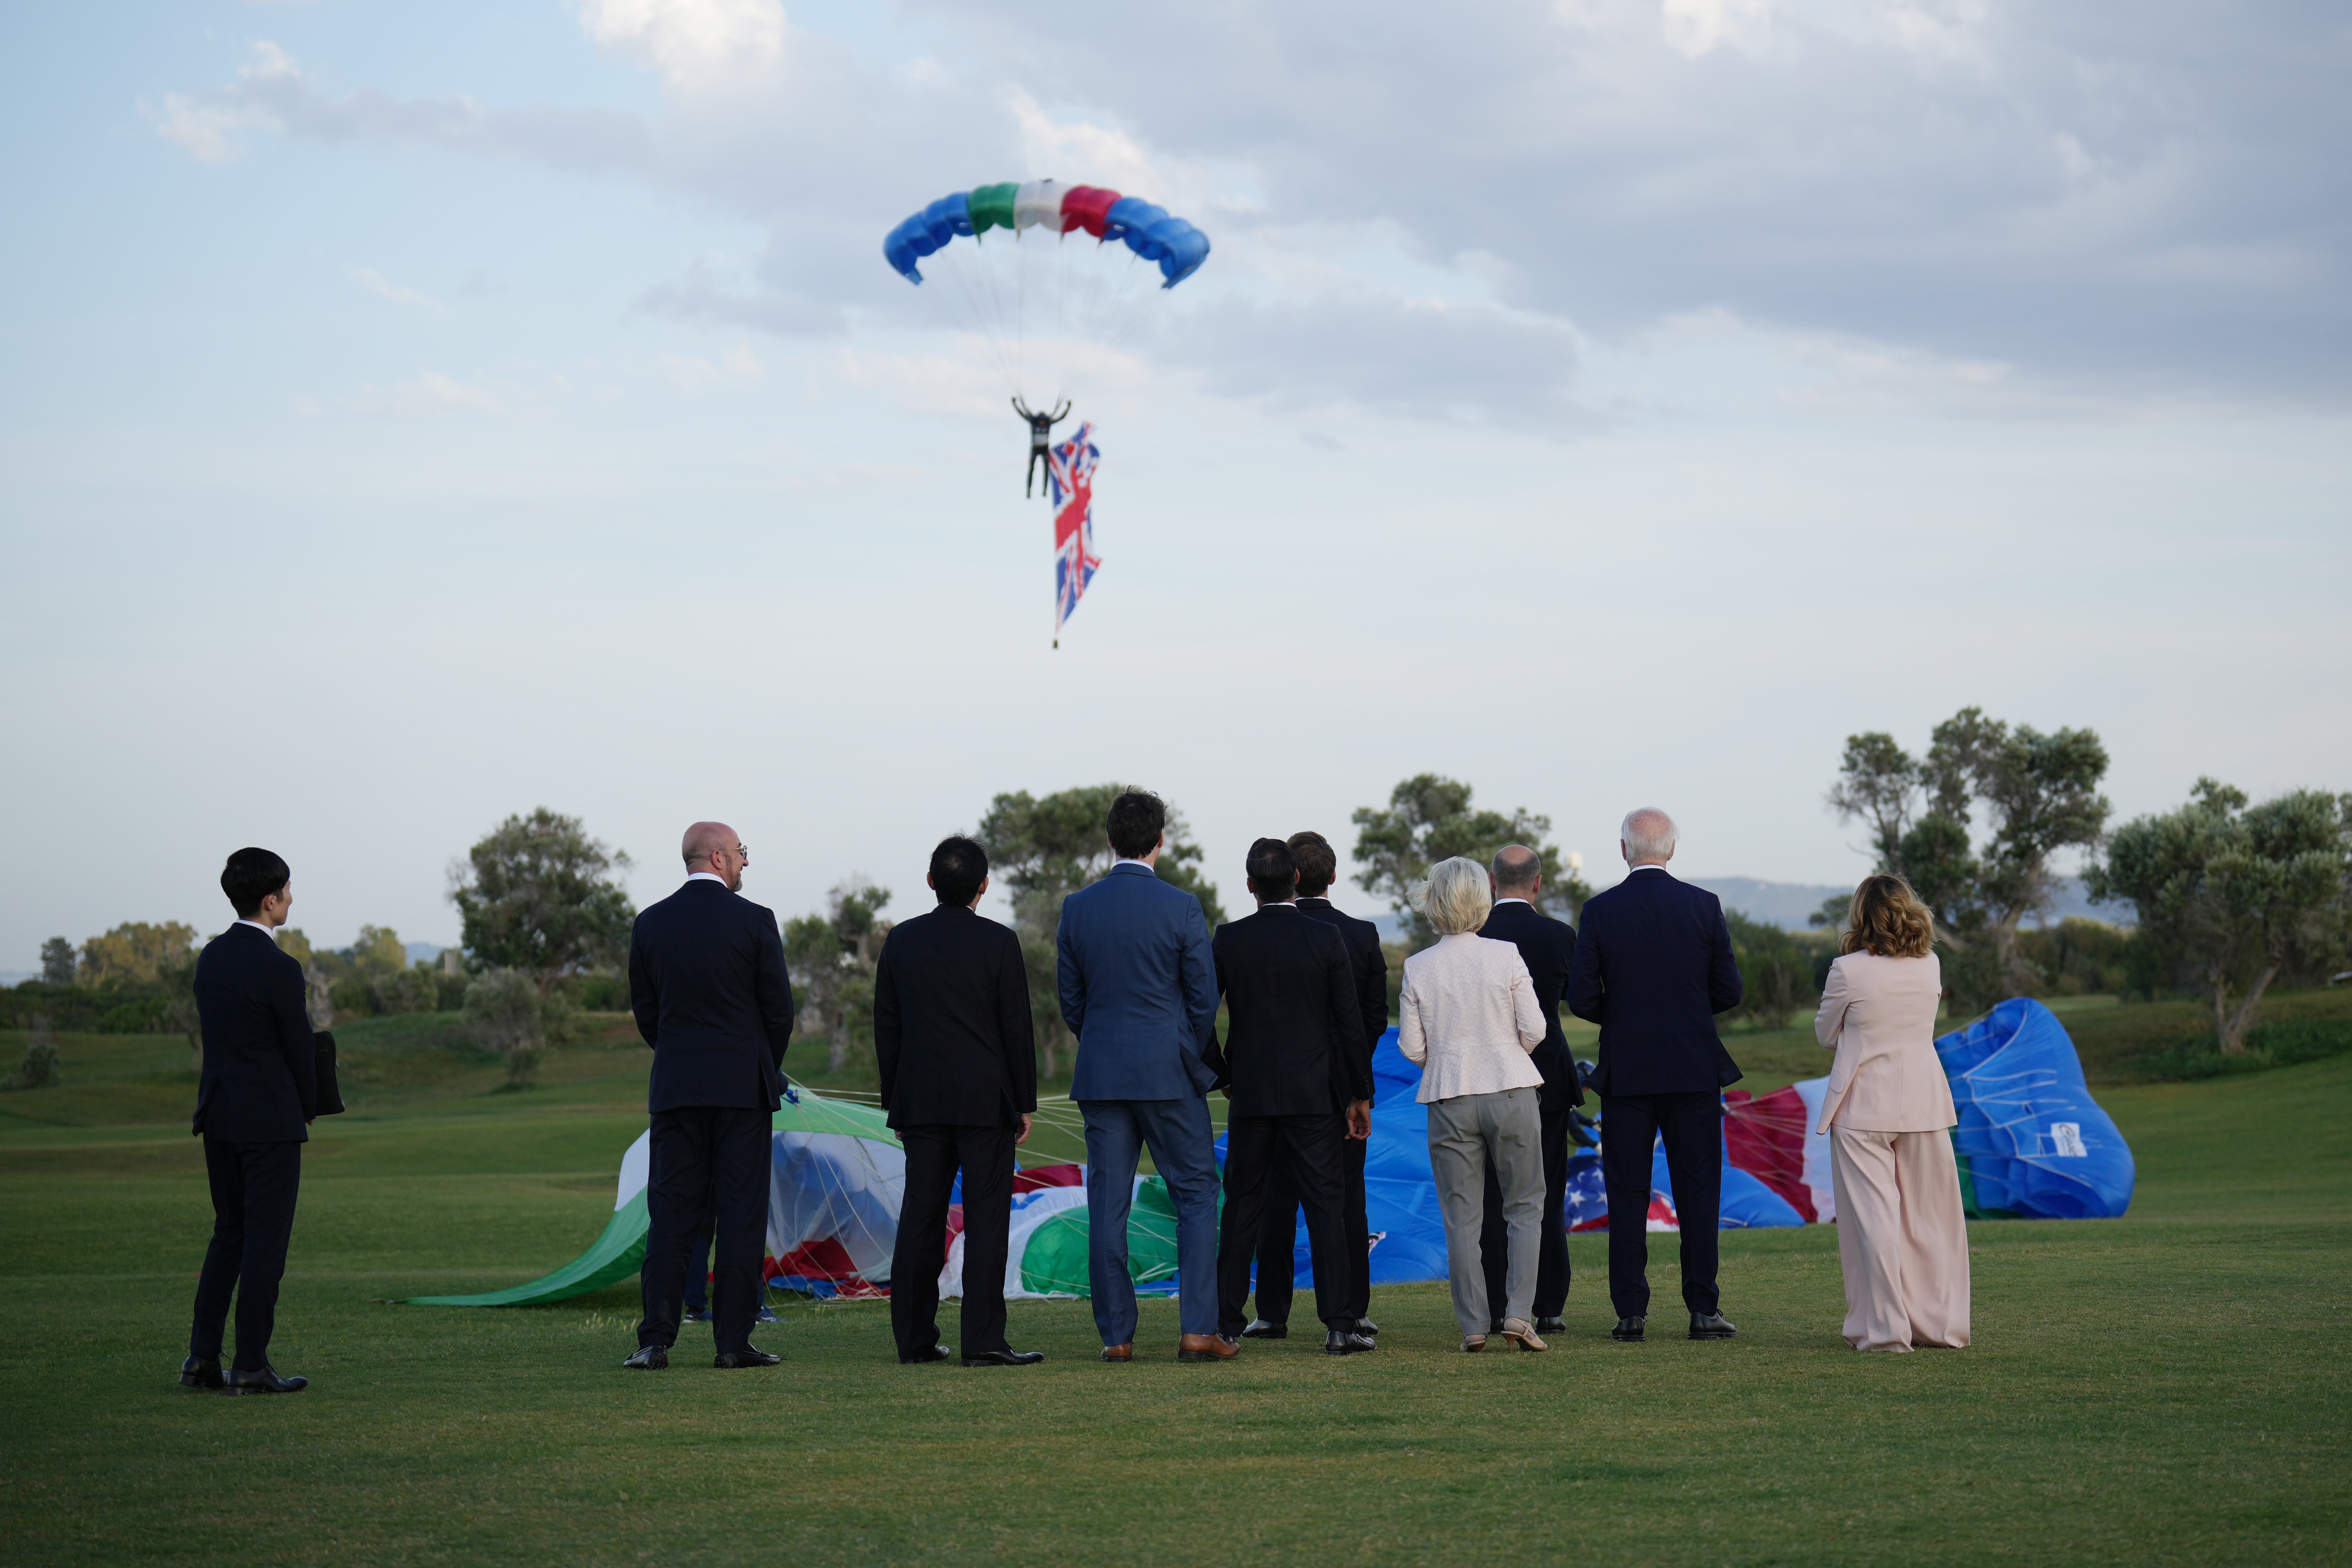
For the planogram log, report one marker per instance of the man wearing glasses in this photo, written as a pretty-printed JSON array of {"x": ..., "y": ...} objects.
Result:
[{"x": 706, "y": 983}]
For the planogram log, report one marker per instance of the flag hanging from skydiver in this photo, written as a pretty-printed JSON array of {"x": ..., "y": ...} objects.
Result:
[{"x": 1070, "y": 471}]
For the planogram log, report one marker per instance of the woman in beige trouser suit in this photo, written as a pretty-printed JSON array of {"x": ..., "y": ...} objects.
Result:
[{"x": 1903, "y": 1235}]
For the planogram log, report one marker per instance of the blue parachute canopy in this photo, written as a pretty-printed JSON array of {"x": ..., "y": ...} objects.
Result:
[{"x": 2032, "y": 1140}]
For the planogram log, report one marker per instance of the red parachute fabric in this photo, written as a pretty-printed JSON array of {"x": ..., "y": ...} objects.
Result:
[{"x": 1765, "y": 1136}]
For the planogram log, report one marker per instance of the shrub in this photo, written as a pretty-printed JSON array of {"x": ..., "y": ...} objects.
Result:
[
  {"x": 39, "y": 1067},
  {"x": 513, "y": 1017}
]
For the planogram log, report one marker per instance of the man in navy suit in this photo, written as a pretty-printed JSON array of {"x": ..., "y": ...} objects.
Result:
[
  {"x": 708, "y": 985},
  {"x": 1654, "y": 966},
  {"x": 1548, "y": 948},
  {"x": 255, "y": 1099},
  {"x": 1139, "y": 989}
]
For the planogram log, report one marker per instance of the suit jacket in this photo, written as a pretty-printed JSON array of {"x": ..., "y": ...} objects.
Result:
[
  {"x": 951, "y": 1025},
  {"x": 1879, "y": 1015},
  {"x": 1294, "y": 1045},
  {"x": 1548, "y": 948},
  {"x": 1654, "y": 966},
  {"x": 707, "y": 985},
  {"x": 1371, "y": 967},
  {"x": 260, "y": 1083},
  {"x": 1138, "y": 988}
]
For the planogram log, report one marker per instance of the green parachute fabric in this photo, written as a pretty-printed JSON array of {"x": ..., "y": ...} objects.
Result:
[{"x": 621, "y": 1250}]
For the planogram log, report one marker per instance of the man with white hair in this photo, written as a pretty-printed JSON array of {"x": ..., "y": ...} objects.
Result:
[{"x": 1654, "y": 966}]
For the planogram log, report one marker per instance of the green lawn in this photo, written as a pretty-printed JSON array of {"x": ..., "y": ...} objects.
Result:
[{"x": 2168, "y": 1387}]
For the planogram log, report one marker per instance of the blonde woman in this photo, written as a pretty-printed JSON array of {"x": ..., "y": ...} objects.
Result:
[
  {"x": 1469, "y": 1017},
  {"x": 1903, "y": 1236}
]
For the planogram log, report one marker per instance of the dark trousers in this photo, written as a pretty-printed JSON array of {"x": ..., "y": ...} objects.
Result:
[
  {"x": 1551, "y": 1255},
  {"x": 709, "y": 1162},
  {"x": 697, "y": 1269},
  {"x": 934, "y": 1154},
  {"x": 1692, "y": 1128},
  {"x": 254, "y": 1187},
  {"x": 1255, "y": 1146},
  {"x": 1278, "y": 1237}
]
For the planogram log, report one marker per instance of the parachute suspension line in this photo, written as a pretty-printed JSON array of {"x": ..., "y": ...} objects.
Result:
[{"x": 973, "y": 315}]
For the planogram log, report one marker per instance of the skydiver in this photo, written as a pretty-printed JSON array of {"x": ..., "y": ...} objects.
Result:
[{"x": 1040, "y": 439}]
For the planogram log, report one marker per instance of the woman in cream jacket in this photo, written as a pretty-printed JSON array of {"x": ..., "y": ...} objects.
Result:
[{"x": 1903, "y": 1236}]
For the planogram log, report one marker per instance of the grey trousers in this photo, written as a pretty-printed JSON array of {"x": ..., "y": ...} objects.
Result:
[{"x": 1465, "y": 1133}]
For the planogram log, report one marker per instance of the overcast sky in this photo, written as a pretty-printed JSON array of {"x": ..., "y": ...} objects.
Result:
[{"x": 413, "y": 414}]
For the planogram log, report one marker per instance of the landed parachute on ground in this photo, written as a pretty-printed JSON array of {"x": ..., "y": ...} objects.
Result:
[{"x": 2030, "y": 1141}]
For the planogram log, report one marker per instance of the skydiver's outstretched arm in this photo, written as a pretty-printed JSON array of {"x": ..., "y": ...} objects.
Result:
[
  {"x": 1059, "y": 415},
  {"x": 1022, "y": 408}
]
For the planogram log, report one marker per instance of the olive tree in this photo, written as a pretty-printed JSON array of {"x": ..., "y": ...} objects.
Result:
[
  {"x": 2036, "y": 795},
  {"x": 1430, "y": 818},
  {"x": 2234, "y": 894}
]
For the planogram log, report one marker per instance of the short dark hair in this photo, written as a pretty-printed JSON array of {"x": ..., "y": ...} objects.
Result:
[
  {"x": 251, "y": 876},
  {"x": 1273, "y": 872},
  {"x": 1138, "y": 817},
  {"x": 958, "y": 865},
  {"x": 1318, "y": 864}
]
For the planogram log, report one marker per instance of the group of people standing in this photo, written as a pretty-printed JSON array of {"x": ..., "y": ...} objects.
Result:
[{"x": 1141, "y": 980}]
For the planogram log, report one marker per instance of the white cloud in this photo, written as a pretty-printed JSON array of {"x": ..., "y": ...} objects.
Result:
[
  {"x": 383, "y": 288},
  {"x": 202, "y": 127},
  {"x": 692, "y": 43},
  {"x": 739, "y": 366},
  {"x": 431, "y": 396},
  {"x": 1695, "y": 28}
]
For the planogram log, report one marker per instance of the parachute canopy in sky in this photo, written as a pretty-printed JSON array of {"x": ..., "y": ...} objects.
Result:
[{"x": 1047, "y": 279}]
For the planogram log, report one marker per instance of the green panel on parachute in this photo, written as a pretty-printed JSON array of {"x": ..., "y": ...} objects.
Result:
[
  {"x": 991, "y": 207},
  {"x": 1055, "y": 1262},
  {"x": 621, "y": 1250}
]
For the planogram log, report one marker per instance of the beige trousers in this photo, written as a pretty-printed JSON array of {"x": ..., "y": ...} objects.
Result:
[{"x": 1902, "y": 1239}]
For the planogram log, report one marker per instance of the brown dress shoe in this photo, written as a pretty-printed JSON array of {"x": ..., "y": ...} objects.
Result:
[
  {"x": 1207, "y": 1347},
  {"x": 1119, "y": 1352}
]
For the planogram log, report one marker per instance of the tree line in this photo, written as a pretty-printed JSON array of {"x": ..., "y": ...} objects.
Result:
[{"x": 2232, "y": 899}]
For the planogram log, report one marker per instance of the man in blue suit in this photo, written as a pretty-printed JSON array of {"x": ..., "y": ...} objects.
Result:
[
  {"x": 1139, "y": 989},
  {"x": 708, "y": 985},
  {"x": 1654, "y": 966}
]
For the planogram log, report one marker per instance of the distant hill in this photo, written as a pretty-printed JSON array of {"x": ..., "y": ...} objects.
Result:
[{"x": 1789, "y": 905}]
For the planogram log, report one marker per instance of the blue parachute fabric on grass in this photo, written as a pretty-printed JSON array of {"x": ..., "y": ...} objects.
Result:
[
  {"x": 1747, "y": 1203},
  {"x": 2032, "y": 1140}
]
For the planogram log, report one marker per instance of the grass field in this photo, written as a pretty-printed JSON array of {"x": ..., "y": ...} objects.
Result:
[{"x": 2166, "y": 1387}]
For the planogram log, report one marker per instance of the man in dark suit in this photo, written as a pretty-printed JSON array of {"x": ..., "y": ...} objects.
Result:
[
  {"x": 255, "y": 1100},
  {"x": 1319, "y": 866},
  {"x": 959, "y": 1058},
  {"x": 1138, "y": 989},
  {"x": 1300, "y": 1085},
  {"x": 708, "y": 985},
  {"x": 1548, "y": 948},
  {"x": 1654, "y": 966}
]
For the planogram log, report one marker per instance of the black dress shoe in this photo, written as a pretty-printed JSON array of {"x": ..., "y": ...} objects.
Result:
[
  {"x": 1628, "y": 1329},
  {"x": 1005, "y": 1358},
  {"x": 649, "y": 1358},
  {"x": 1710, "y": 1326},
  {"x": 1346, "y": 1342},
  {"x": 1260, "y": 1329},
  {"x": 1551, "y": 1326},
  {"x": 200, "y": 1372},
  {"x": 266, "y": 1380},
  {"x": 937, "y": 1352},
  {"x": 749, "y": 1355},
  {"x": 1368, "y": 1329}
]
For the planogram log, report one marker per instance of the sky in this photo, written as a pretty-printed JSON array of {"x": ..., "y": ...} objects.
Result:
[{"x": 412, "y": 415}]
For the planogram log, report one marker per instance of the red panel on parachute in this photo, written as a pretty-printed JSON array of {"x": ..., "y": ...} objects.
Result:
[
  {"x": 1083, "y": 207},
  {"x": 1765, "y": 1136}
]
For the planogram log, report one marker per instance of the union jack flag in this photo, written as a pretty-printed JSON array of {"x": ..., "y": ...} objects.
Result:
[{"x": 1070, "y": 478}]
